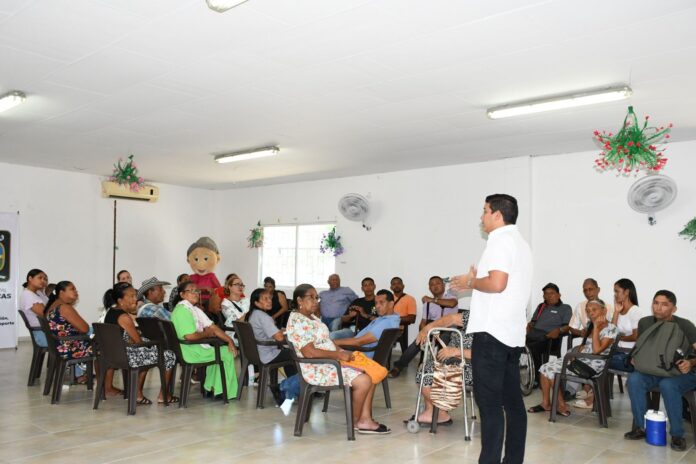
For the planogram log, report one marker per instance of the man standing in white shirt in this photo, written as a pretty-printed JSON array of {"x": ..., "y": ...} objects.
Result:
[{"x": 501, "y": 286}]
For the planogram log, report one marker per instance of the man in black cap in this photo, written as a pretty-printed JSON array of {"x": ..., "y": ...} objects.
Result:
[{"x": 152, "y": 290}]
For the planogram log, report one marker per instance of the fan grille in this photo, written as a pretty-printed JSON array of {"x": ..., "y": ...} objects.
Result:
[
  {"x": 353, "y": 207},
  {"x": 652, "y": 193}
]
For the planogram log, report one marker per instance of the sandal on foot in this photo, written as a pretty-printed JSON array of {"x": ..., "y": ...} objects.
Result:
[
  {"x": 173, "y": 399},
  {"x": 564, "y": 414},
  {"x": 537, "y": 408},
  {"x": 381, "y": 430},
  {"x": 143, "y": 400}
]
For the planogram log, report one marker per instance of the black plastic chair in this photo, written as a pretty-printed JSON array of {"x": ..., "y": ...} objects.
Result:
[
  {"x": 150, "y": 328},
  {"x": 112, "y": 355},
  {"x": 248, "y": 345},
  {"x": 600, "y": 383},
  {"x": 57, "y": 364},
  {"x": 307, "y": 392},
  {"x": 174, "y": 344},
  {"x": 382, "y": 352},
  {"x": 38, "y": 354}
]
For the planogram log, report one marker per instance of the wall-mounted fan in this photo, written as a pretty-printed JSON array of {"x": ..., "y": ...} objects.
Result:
[
  {"x": 651, "y": 194},
  {"x": 355, "y": 207}
]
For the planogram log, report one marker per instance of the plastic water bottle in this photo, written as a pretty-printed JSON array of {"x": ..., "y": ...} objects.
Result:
[
  {"x": 250, "y": 370},
  {"x": 656, "y": 428}
]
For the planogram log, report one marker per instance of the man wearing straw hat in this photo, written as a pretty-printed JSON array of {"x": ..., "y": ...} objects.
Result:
[{"x": 152, "y": 290}]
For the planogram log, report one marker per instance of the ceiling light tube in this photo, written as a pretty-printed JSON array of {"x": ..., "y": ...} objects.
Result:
[
  {"x": 12, "y": 99},
  {"x": 559, "y": 102},
  {"x": 223, "y": 5},
  {"x": 247, "y": 154}
]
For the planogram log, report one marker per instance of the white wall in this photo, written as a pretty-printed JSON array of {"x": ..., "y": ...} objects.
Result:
[
  {"x": 583, "y": 227},
  {"x": 426, "y": 221},
  {"x": 66, "y": 229}
]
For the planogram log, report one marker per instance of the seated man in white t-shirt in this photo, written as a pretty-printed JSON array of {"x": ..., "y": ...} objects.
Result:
[{"x": 580, "y": 320}]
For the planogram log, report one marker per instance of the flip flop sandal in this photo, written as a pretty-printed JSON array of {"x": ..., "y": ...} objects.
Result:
[
  {"x": 143, "y": 401},
  {"x": 564, "y": 414},
  {"x": 537, "y": 408},
  {"x": 172, "y": 400},
  {"x": 381, "y": 430}
]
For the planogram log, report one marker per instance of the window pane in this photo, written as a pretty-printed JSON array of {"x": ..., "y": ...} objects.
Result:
[
  {"x": 279, "y": 254},
  {"x": 313, "y": 267}
]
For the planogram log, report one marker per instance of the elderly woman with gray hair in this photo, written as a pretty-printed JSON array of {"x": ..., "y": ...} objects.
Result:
[{"x": 598, "y": 341}]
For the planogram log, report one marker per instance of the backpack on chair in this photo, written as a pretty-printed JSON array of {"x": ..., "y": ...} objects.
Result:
[{"x": 655, "y": 349}]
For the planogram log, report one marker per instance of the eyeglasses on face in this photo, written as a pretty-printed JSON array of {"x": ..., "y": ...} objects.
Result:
[
  {"x": 197, "y": 292},
  {"x": 239, "y": 285},
  {"x": 313, "y": 297}
]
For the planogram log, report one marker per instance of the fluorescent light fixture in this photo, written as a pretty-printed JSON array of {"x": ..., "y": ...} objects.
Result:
[
  {"x": 223, "y": 5},
  {"x": 12, "y": 99},
  {"x": 247, "y": 154},
  {"x": 559, "y": 102}
]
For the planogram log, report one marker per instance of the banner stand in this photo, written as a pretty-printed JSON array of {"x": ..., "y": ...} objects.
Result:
[{"x": 9, "y": 278}]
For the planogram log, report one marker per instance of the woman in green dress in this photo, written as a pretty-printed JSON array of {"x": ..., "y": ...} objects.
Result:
[{"x": 192, "y": 324}]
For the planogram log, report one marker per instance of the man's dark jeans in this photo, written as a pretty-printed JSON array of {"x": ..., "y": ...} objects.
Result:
[{"x": 496, "y": 375}]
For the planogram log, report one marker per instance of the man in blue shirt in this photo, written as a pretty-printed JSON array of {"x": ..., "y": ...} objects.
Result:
[
  {"x": 387, "y": 319},
  {"x": 152, "y": 290},
  {"x": 334, "y": 302}
]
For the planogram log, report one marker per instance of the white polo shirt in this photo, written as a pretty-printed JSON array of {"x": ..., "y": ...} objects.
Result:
[{"x": 504, "y": 315}]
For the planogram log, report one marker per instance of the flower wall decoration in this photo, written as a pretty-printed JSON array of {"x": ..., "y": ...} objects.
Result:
[
  {"x": 689, "y": 231},
  {"x": 633, "y": 148},
  {"x": 331, "y": 242},
  {"x": 255, "y": 238},
  {"x": 127, "y": 174}
]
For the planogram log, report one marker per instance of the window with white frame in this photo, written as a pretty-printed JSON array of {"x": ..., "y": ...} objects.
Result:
[{"x": 291, "y": 255}]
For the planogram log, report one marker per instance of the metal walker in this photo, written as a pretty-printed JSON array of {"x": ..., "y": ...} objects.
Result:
[{"x": 432, "y": 346}]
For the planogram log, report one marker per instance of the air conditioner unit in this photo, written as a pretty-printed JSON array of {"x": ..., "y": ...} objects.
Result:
[{"x": 123, "y": 192}]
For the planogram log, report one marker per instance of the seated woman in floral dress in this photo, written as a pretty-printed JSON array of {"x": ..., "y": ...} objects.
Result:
[
  {"x": 120, "y": 301},
  {"x": 449, "y": 355},
  {"x": 65, "y": 321},
  {"x": 599, "y": 341},
  {"x": 310, "y": 339}
]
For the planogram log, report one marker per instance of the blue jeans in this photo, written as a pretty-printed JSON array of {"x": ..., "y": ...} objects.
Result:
[
  {"x": 40, "y": 338},
  {"x": 341, "y": 334},
  {"x": 618, "y": 362},
  {"x": 496, "y": 374},
  {"x": 671, "y": 389},
  {"x": 333, "y": 323}
]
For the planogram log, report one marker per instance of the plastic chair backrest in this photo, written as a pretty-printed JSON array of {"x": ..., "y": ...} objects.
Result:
[
  {"x": 247, "y": 341},
  {"x": 385, "y": 345},
  {"x": 50, "y": 338},
  {"x": 112, "y": 346},
  {"x": 29, "y": 327},
  {"x": 150, "y": 328},
  {"x": 171, "y": 340}
]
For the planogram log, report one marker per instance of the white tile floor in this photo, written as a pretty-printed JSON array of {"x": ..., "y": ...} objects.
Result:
[{"x": 34, "y": 431}]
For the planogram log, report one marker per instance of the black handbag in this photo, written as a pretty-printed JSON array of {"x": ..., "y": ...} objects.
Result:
[{"x": 581, "y": 369}]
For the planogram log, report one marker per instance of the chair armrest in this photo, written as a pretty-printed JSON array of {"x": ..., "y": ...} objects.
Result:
[
  {"x": 575, "y": 355},
  {"x": 201, "y": 341},
  {"x": 270, "y": 343},
  {"x": 333, "y": 362},
  {"x": 150, "y": 343}
]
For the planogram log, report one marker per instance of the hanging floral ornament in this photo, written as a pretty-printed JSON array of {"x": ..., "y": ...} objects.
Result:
[
  {"x": 689, "y": 232},
  {"x": 633, "y": 148},
  {"x": 127, "y": 174},
  {"x": 331, "y": 243},
  {"x": 255, "y": 237}
]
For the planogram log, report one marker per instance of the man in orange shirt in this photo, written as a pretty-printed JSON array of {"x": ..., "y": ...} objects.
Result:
[{"x": 404, "y": 306}]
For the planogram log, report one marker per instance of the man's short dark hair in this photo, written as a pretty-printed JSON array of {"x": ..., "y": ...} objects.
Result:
[
  {"x": 506, "y": 204},
  {"x": 592, "y": 281},
  {"x": 436, "y": 277},
  {"x": 366, "y": 279},
  {"x": 551, "y": 286},
  {"x": 396, "y": 277},
  {"x": 389, "y": 295},
  {"x": 667, "y": 294}
]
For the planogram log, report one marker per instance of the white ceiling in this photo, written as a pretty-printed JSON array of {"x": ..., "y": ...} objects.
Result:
[{"x": 344, "y": 87}]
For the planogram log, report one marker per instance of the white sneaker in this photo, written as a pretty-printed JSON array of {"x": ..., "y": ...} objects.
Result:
[
  {"x": 581, "y": 404},
  {"x": 581, "y": 395}
]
